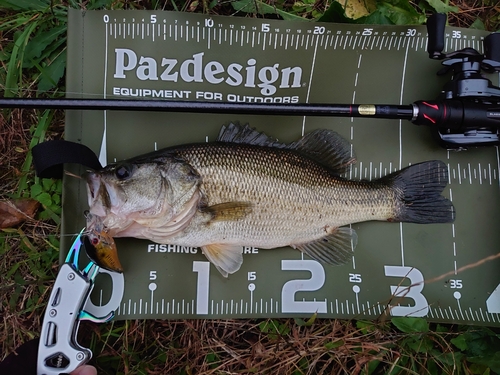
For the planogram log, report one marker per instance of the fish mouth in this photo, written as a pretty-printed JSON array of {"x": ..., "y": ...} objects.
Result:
[
  {"x": 102, "y": 196},
  {"x": 93, "y": 186}
]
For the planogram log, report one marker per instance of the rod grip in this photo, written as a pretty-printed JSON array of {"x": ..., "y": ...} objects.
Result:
[{"x": 458, "y": 116}]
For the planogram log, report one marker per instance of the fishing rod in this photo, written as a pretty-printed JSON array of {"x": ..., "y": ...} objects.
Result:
[
  {"x": 309, "y": 109},
  {"x": 466, "y": 114}
]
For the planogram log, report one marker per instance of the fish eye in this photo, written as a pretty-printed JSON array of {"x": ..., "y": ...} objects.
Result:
[{"x": 123, "y": 172}]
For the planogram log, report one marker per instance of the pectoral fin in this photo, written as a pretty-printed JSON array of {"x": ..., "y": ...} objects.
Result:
[
  {"x": 336, "y": 248},
  {"x": 226, "y": 258},
  {"x": 229, "y": 211}
]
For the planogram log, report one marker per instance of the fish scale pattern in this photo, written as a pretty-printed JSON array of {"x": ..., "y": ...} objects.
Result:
[{"x": 293, "y": 198}]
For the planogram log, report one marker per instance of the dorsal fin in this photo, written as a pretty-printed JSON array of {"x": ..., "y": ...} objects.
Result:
[
  {"x": 236, "y": 133},
  {"x": 327, "y": 148}
]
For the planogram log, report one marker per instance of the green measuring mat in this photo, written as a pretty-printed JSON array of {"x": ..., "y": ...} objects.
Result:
[{"x": 180, "y": 56}]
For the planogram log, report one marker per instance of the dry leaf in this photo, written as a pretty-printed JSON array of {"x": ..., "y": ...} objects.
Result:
[
  {"x": 357, "y": 8},
  {"x": 14, "y": 212}
]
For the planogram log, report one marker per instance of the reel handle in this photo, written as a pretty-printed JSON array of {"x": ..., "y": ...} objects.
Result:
[
  {"x": 492, "y": 47},
  {"x": 435, "y": 28}
]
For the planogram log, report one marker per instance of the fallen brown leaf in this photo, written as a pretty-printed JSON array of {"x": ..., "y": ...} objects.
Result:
[{"x": 14, "y": 212}]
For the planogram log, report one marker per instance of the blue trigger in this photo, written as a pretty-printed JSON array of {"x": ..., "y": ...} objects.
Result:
[
  {"x": 84, "y": 315},
  {"x": 74, "y": 251}
]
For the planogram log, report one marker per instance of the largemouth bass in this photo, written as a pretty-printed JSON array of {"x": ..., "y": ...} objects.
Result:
[{"x": 247, "y": 189}]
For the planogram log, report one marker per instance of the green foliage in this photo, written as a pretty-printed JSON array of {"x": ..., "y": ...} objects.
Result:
[
  {"x": 39, "y": 259},
  {"x": 367, "y": 327},
  {"x": 38, "y": 135},
  {"x": 481, "y": 346},
  {"x": 386, "y": 12},
  {"x": 411, "y": 325},
  {"x": 394, "y": 12},
  {"x": 476, "y": 350},
  {"x": 261, "y": 7},
  {"x": 212, "y": 359},
  {"x": 48, "y": 193},
  {"x": 309, "y": 322},
  {"x": 25, "y": 5},
  {"x": 335, "y": 13},
  {"x": 38, "y": 45},
  {"x": 43, "y": 44},
  {"x": 478, "y": 25},
  {"x": 274, "y": 328},
  {"x": 306, "y": 7},
  {"x": 334, "y": 344},
  {"x": 301, "y": 367},
  {"x": 13, "y": 73},
  {"x": 52, "y": 73},
  {"x": 441, "y": 7}
]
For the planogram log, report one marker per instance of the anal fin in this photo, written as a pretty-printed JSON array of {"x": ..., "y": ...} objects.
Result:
[
  {"x": 335, "y": 248},
  {"x": 226, "y": 258}
]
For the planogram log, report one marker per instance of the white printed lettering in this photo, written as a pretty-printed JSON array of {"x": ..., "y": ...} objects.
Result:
[
  {"x": 196, "y": 70},
  {"x": 211, "y": 69},
  {"x": 195, "y": 65},
  {"x": 120, "y": 66},
  {"x": 167, "y": 74}
]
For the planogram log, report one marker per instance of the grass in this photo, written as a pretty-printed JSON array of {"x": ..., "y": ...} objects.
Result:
[{"x": 32, "y": 60}]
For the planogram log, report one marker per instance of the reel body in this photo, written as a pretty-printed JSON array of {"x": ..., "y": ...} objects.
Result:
[{"x": 467, "y": 113}]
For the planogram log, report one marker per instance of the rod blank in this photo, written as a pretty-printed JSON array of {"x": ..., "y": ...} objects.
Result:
[{"x": 308, "y": 109}]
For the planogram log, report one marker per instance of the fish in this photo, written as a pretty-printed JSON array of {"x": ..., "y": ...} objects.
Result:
[
  {"x": 249, "y": 189},
  {"x": 99, "y": 245}
]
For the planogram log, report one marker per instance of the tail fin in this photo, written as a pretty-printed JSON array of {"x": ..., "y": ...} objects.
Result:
[{"x": 419, "y": 188}]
